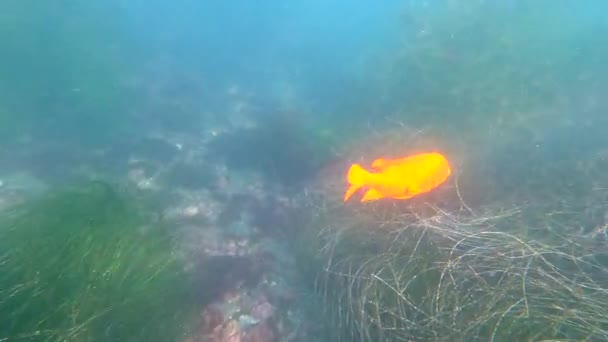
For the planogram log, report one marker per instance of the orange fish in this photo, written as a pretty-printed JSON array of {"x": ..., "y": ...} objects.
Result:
[{"x": 399, "y": 178}]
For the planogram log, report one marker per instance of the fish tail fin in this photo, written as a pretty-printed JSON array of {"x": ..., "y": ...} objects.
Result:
[{"x": 356, "y": 177}]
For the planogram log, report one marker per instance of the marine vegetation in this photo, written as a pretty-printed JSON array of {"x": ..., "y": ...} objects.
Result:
[
  {"x": 469, "y": 64},
  {"x": 440, "y": 267},
  {"x": 87, "y": 264}
]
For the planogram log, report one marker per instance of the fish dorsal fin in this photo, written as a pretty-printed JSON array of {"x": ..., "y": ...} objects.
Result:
[
  {"x": 380, "y": 163},
  {"x": 372, "y": 195}
]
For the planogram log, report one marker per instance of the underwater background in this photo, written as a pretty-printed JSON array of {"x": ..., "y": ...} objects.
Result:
[{"x": 174, "y": 171}]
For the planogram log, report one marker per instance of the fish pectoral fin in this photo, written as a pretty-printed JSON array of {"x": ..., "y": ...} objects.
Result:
[
  {"x": 372, "y": 195},
  {"x": 405, "y": 194}
]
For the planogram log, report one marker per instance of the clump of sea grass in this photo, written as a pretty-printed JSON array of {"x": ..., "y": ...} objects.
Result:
[
  {"x": 440, "y": 267},
  {"x": 84, "y": 264},
  {"x": 457, "y": 276}
]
